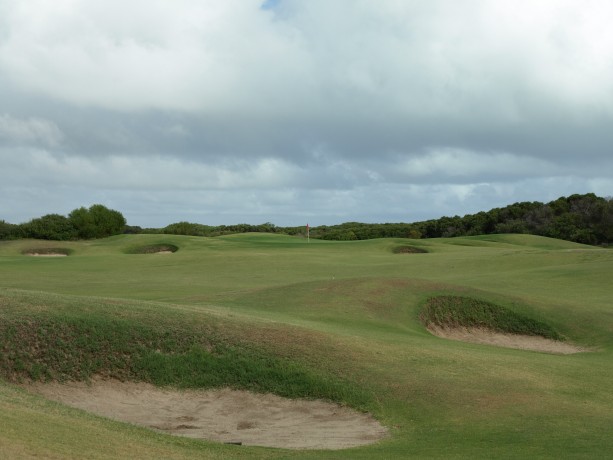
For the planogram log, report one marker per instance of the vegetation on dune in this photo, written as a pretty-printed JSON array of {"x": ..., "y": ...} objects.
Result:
[{"x": 456, "y": 311}]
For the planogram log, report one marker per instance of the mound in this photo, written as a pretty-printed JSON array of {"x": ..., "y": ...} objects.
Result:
[
  {"x": 47, "y": 252},
  {"x": 408, "y": 250},
  {"x": 478, "y": 321},
  {"x": 154, "y": 249},
  {"x": 500, "y": 339},
  {"x": 222, "y": 415}
]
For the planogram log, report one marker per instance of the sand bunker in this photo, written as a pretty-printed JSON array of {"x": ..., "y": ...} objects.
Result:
[
  {"x": 46, "y": 252},
  {"x": 222, "y": 415},
  {"x": 489, "y": 337}
]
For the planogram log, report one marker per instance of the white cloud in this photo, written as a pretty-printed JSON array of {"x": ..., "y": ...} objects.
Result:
[
  {"x": 184, "y": 55},
  {"x": 232, "y": 57}
]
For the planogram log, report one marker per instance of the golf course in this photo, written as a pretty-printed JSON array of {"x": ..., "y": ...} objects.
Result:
[{"x": 497, "y": 346}]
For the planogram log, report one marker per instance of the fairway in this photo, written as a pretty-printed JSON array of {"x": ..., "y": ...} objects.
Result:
[{"x": 319, "y": 320}]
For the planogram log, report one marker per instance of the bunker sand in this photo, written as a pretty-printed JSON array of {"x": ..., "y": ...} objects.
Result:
[
  {"x": 499, "y": 339},
  {"x": 222, "y": 415}
]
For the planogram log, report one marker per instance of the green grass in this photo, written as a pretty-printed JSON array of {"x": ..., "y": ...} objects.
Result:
[{"x": 339, "y": 320}]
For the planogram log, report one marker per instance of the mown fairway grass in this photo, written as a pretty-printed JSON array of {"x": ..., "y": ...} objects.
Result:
[{"x": 322, "y": 319}]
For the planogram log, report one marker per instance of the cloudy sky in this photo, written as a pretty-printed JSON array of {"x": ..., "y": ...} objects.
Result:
[{"x": 295, "y": 111}]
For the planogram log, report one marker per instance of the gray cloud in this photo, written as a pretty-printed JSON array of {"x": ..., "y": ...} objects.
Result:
[
  {"x": 29, "y": 131},
  {"x": 301, "y": 109}
]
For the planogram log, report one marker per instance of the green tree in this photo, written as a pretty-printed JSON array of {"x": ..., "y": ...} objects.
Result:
[
  {"x": 97, "y": 222},
  {"x": 50, "y": 227},
  {"x": 83, "y": 222},
  {"x": 9, "y": 231}
]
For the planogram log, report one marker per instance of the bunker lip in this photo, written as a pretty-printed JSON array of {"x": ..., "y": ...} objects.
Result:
[
  {"x": 160, "y": 248},
  {"x": 222, "y": 415},
  {"x": 486, "y": 336},
  {"x": 408, "y": 250},
  {"x": 47, "y": 252}
]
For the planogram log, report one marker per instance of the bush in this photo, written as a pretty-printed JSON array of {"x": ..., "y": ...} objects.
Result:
[
  {"x": 97, "y": 222},
  {"x": 9, "y": 231},
  {"x": 50, "y": 227}
]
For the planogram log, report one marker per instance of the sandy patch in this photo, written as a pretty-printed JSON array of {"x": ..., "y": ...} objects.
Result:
[
  {"x": 499, "y": 339},
  {"x": 50, "y": 254},
  {"x": 222, "y": 415}
]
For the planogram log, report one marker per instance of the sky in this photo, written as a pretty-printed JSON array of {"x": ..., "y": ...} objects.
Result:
[{"x": 294, "y": 112}]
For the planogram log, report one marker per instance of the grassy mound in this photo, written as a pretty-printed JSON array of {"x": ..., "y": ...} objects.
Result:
[
  {"x": 153, "y": 249},
  {"x": 455, "y": 311},
  {"x": 47, "y": 252},
  {"x": 408, "y": 250},
  {"x": 183, "y": 352}
]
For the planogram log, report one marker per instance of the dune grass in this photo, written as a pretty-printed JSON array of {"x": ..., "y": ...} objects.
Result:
[{"x": 339, "y": 320}]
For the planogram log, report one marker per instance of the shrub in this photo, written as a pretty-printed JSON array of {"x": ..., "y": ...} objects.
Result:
[
  {"x": 50, "y": 227},
  {"x": 97, "y": 222}
]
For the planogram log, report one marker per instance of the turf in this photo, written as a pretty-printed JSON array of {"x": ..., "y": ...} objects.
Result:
[{"x": 338, "y": 320}]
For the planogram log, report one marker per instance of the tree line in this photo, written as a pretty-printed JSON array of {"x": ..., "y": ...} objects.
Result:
[
  {"x": 97, "y": 221},
  {"x": 584, "y": 219}
]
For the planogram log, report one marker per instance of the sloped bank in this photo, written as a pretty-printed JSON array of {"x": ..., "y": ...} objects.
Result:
[
  {"x": 47, "y": 252},
  {"x": 159, "y": 248},
  {"x": 149, "y": 362},
  {"x": 477, "y": 321}
]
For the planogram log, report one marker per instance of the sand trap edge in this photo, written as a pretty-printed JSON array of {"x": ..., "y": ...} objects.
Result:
[
  {"x": 222, "y": 415},
  {"x": 485, "y": 336}
]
